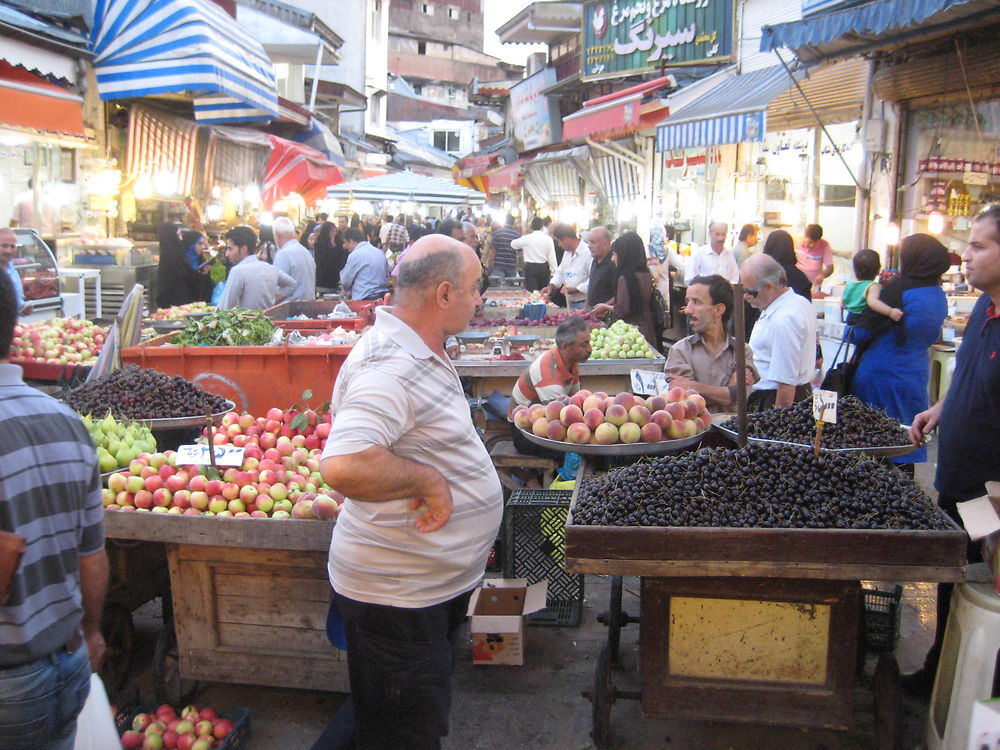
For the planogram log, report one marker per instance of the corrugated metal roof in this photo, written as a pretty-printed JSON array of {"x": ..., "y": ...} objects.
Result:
[{"x": 851, "y": 31}]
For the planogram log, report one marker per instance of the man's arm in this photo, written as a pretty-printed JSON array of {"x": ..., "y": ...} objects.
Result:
[
  {"x": 93, "y": 587},
  {"x": 925, "y": 422},
  {"x": 377, "y": 475},
  {"x": 286, "y": 285},
  {"x": 347, "y": 274},
  {"x": 785, "y": 395},
  {"x": 691, "y": 269},
  {"x": 232, "y": 292}
]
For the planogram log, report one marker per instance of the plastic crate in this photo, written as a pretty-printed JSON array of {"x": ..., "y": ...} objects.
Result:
[
  {"x": 535, "y": 548},
  {"x": 882, "y": 610},
  {"x": 236, "y": 739},
  {"x": 285, "y": 315}
]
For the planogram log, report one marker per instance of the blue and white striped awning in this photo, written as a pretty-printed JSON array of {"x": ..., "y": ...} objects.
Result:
[
  {"x": 150, "y": 47},
  {"x": 408, "y": 186},
  {"x": 735, "y": 111},
  {"x": 620, "y": 179}
]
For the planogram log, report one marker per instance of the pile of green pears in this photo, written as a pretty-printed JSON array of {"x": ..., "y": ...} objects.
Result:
[{"x": 118, "y": 443}]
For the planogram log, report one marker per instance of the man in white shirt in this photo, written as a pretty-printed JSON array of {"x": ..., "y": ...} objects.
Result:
[
  {"x": 294, "y": 259},
  {"x": 252, "y": 284},
  {"x": 784, "y": 337},
  {"x": 713, "y": 258},
  {"x": 539, "y": 256},
  {"x": 569, "y": 284},
  {"x": 423, "y": 500}
]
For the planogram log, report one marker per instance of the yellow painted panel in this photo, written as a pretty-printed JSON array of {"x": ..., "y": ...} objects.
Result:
[{"x": 748, "y": 640}]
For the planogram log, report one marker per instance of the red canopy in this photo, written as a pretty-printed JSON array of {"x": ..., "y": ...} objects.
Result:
[
  {"x": 29, "y": 101},
  {"x": 297, "y": 168}
]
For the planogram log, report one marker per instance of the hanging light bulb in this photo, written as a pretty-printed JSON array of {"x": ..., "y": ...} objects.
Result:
[
  {"x": 935, "y": 223},
  {"x": 892, "y": 234},
  {"x": 143, "y": 188}
]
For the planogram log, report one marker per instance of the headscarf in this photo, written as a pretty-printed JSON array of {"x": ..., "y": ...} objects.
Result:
[
  {"x": 631, "y": 254},
  {"x": 780, "y": 246},
  {"x": 189, "y": 241}
]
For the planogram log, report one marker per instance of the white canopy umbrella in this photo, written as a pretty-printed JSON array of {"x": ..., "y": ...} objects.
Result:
[{"x": 407, "y": 186}]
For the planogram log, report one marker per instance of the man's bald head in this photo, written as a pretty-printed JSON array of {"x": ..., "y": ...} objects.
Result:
[
  {"x": 599, "y": 242},
  {"x": 432, "y": 260}
]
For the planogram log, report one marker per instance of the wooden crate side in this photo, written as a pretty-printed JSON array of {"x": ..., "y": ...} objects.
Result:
[{"x": 322, "y": 672}]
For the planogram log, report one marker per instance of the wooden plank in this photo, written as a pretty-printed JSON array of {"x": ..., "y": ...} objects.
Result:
[
  {"x": 320, "y": 671},
  {"x": 308, "y": 563},
  {"x": 191, "y": 588},
  {"x": 315, "y": 588},
  {"x": 274, "y": 612},
  {"x": 265, "y": 639},
  {"x": 743, "y": 569},
  {"x": 247, "y": 533}
]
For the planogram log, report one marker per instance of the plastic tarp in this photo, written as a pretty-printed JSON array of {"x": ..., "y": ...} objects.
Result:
[{"x": 297, "y": 168}]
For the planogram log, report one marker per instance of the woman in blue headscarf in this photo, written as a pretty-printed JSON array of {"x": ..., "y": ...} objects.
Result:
[{"x": 181, "y": 277}]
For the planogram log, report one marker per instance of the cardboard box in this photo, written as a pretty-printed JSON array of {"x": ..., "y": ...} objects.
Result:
[
  {"x": 984, "y": 725},
  {"x": 497, "y": 611},
  {"x": 981, "y": 518}
]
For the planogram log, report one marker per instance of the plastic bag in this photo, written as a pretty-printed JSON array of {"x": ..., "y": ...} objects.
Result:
[
  {"x": 217, "y": 290},
  {"x": 95, "y": 726}
]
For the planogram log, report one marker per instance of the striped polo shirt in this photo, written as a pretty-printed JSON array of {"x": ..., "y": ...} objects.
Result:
[
  {"x": 50, "y": 493},
  {"x": 544, "y": 380},
  {"x": 394, "y": 392}
]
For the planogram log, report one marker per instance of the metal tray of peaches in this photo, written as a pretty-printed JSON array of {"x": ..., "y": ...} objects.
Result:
[{"x": 617, "y": 449}]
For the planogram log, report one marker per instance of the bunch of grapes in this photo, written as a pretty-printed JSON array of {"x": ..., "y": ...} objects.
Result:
[{"x": 137, "y": 393}]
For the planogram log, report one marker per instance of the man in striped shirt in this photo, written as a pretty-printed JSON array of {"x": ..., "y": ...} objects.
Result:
[
  {"x": 424, "y": 501},
  {"x": 501, "y": 257},
  {"x": 50, "y": 494}
]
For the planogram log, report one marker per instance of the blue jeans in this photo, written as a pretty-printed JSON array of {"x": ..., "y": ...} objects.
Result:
[{"x": 40, "y": 700}]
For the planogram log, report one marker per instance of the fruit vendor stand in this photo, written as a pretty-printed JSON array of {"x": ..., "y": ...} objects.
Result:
[
  {"x": 745, "y": 616},
  {"x": 249, "y": 601}
]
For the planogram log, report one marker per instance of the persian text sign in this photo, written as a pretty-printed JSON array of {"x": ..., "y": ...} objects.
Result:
[
  {"x": 536, "y": 116},
  {"x": 622, "y": 37}
]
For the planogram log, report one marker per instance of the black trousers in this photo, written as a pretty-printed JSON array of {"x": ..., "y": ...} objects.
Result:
[
  {"x": 761, "y": 400},
  {"x": 399, "y": 670},
  {"x": 536, "y": 276}
]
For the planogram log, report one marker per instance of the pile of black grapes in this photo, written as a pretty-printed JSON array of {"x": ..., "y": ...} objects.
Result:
[
  {"x": 858, "y": 425},
  {"x": 137, "y": 393},
  {"x": 762, "y": 485}
]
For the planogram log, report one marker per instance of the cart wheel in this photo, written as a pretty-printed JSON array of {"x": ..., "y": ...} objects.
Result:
[
  {"x": 601, "y": 699},
  {"x": 887, "y": 703},
  {"x": 119, "y": 639},
  {"x": 168, "y": 685}
]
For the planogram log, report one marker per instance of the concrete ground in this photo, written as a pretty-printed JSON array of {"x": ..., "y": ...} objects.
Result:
[{"x": 539, "y": 705}]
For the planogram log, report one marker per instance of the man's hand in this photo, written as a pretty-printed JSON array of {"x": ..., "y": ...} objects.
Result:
[
  {"x": 679, "y": 381},
  {"x": 924, "y": 423},
  {"x": 95, "y": 648},
  {"x": 439, "y": 506},
  {"x": 602, "y": 309},
  {"x": 545, "y": 292}
]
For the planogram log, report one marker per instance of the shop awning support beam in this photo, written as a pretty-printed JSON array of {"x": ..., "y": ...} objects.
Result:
[
  {"x": 315, "y": 86},
  {"x": 819, "y": 121},
  {"x": 617, "y": 152}
]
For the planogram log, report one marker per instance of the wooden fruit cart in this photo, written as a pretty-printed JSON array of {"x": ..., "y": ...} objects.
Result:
[
  {"x": 248, "y": 602},
  {"x": 754, "y": 625}
]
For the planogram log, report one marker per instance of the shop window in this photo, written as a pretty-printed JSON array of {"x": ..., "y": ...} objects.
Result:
[
  {"x": 446, "y": 140},
  {"x": 453, "y": 13},
  {"x": 421, "y": 48},
  {"x": 837, "y": 196},
  {"x": 418, "y": 89}
]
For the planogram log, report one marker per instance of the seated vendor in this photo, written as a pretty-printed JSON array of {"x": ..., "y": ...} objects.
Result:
[
  {"x": 705, "y": 361},
  {"x": 555, "y": 373}
]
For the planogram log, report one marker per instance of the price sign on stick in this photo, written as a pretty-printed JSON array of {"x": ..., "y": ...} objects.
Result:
[
  {"x": 225, "y": 455},
  {"x": 825, "y": 406},
  {"x": 647, "y": 382}
]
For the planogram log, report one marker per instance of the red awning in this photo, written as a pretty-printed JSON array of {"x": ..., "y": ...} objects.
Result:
[
  {"x": 505, "y": 177},
  {"x": 618, "y": 113},
  {"x": 29, "y": 101},
  {"x": 297, "y": 168}
]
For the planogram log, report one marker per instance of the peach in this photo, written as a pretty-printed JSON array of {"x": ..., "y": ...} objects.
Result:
[
  {"x": 571, "y": 414},
  {"x": 677, "y": 429},
  {"x": 578, "y": 433},
  {"x": 540, "y": 427},
  {"x": 675, "y": 394},
  {"x": 706, "y": 417},
  {"x": 592, "y": 402},
  {"x": 698, "y": 400},
  {"x": 520, "y": 416},
  {"x": 662, "y": 418},
  {"x": 593, "y": 417},
  {"x": 626, "y": 399},
  {"x": 536, "y": 412},
  {"x": 606, "y": 434},
  {"x": 553, "y": 409},
  {"x": 600, "y": 394},
  {"x": 638, "y": 414},
  {"x": 691, "y": 427},
  {"x": 556, "y": 430},
  {"x": 629, "y": 432},
  {"x": 656, "y": 403},
  {"x": 651, "y": 433},
  {"x": 676, "y": 410},
  {"x": 616, "y": 414},
  {"x": 690, "y": 408},
  {"x": 579, "y": 397}
]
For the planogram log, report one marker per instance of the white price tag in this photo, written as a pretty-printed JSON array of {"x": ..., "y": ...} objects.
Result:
[
  {"x": 225, "y": 455},
  {"x": 648, "y": 383},
  {"x": 825, "y": 406}
]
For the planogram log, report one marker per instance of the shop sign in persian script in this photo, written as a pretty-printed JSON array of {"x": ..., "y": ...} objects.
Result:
[
  {"x": 622, "y": 37},
  {"x": 536, "y": 116}
]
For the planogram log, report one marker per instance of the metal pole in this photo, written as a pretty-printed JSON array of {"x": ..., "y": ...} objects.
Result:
[
  {"x": 315, "y": 86},
  {"x": 739, "y": 332}
]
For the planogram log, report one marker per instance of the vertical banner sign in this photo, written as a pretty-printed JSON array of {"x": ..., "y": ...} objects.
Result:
[
  {"x": 536, "y": 116},
  {"x": 624, "y": 37}
]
